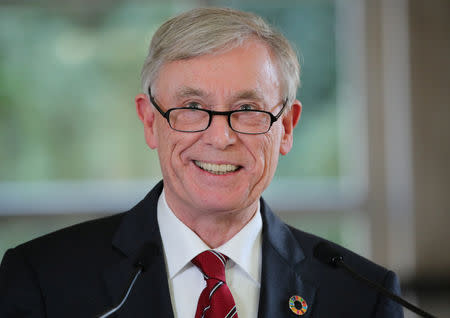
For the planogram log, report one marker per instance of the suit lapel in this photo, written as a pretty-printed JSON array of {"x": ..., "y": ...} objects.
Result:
[
  {"x": 281, "y": 277},
  {"x": 150, "y": 295}
]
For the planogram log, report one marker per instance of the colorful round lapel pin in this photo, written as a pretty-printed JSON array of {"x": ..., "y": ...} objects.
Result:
[{"x": 298, "y": 305}]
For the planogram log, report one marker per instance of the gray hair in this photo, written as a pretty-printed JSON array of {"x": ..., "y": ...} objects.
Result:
[{"x": 211, "y": 30}]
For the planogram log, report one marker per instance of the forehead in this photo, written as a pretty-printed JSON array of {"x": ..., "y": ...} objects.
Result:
[{"x": 248, "y": 70}]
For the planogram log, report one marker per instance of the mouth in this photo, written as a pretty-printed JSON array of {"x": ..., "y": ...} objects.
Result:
[{"x": 217, "y": 169}]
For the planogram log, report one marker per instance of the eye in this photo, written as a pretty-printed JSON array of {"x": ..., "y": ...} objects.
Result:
[
  {"x": 194, "y": 105},
  {"x": 246, "y": 107}
]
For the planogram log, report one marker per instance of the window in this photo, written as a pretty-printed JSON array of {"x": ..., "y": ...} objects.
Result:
[{"x": 71, "y": 140}]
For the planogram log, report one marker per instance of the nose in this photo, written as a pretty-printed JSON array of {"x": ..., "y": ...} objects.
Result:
[{"x": 219, "y": 134}]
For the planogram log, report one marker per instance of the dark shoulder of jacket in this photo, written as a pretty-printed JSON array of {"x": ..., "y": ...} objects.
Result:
[
  {"x": 365, "y": 266},
  {"x": 87, "y": 235}
]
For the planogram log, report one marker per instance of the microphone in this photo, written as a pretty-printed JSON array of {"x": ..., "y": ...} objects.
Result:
[
  {"x": 141, "y": 264},
  {"x": 325, "y": 253}
]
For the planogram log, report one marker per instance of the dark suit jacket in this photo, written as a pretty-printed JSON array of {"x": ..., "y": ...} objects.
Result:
[{"x": 83, "y": 270}]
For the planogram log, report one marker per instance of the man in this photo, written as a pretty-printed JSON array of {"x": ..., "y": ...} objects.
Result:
[{"x": 219, "y": 106}]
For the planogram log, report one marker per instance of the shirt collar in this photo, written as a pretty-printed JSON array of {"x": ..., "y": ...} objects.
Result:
[{"x": 243, "y": 249}]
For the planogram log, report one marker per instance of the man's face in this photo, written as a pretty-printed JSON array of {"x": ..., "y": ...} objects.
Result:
[{"x": 190, "y": 161}]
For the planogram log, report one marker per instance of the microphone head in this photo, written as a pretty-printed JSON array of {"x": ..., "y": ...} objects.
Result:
[
  {"x": 325, "y": 253},
  {"x": 145, "y": 255}
]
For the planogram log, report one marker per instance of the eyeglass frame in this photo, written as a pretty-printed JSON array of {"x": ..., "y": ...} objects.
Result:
[{"x": 211, "y": 113}]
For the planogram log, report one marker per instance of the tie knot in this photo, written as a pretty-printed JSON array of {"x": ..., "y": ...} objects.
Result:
[{"x": 212, "y": 264}]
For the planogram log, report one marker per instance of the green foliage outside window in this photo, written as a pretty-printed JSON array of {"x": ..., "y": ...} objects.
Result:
[{"x": 68, "y": 77}]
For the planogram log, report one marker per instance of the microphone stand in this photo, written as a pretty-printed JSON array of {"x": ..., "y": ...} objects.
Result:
[
  {"x": 340, "y": 263},
  {"x": 142, "y": 262},
  {"x": 113, "y": 310},
  {"x": 325, "y": 253}
]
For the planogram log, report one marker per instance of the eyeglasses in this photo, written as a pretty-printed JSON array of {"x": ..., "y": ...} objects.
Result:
[{"x": 244, "y": 121}]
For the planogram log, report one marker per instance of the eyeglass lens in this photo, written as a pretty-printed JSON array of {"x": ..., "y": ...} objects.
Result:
[{"x": 241, "y": 121}]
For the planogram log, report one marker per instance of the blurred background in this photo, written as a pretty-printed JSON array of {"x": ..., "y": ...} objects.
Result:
[{"x": 370, "y": 165}]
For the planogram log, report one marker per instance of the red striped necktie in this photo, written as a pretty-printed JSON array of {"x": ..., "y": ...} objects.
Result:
[{"x": 215, "y": 300}]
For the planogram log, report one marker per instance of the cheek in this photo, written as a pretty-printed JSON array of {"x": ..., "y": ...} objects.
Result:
[
  {"x": 271, "y": 152},
  {"x": 267, "y": 155},
  {"x": 167, "y": 143},
  {"x": 176, "y": 147}
]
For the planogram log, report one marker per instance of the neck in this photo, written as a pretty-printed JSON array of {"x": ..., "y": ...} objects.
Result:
[
  {"x": 216, "y": 231},
  {"x": 215, "y": 228}
]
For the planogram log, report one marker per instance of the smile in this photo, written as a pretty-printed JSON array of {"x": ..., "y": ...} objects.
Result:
[{"x": 215, "y": 168}]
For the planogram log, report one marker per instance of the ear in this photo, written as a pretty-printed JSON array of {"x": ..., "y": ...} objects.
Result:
[
  {"x": 289, "y": 121},
  {"x": 146, "y": 114}
]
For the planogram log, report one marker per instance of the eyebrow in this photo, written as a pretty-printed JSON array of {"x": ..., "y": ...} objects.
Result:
[
  {"x": 252, "y": 94},
  {"x": 249, "y": 94},
  {"x": 189, "y": 92}
]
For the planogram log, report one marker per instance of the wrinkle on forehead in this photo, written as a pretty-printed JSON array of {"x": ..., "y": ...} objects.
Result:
[
  {"x": 248, "y": 94},
  {"x": 220, "y": 82}
]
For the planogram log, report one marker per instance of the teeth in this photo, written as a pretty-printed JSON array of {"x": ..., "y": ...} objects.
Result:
[{"x": 216, "y": 169}]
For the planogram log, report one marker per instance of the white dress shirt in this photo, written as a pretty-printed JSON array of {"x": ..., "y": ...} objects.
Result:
[{"x": 243, "y": 270}]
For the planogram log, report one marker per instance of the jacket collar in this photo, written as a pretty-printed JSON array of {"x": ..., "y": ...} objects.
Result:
[
  {"x": 150, "y": 296},
  {"x": 281, "y": 277},
  {"x": 139, "y": 225}
]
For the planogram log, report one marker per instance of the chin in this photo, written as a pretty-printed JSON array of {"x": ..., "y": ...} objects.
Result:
[{"x": 222, "y": 204}]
